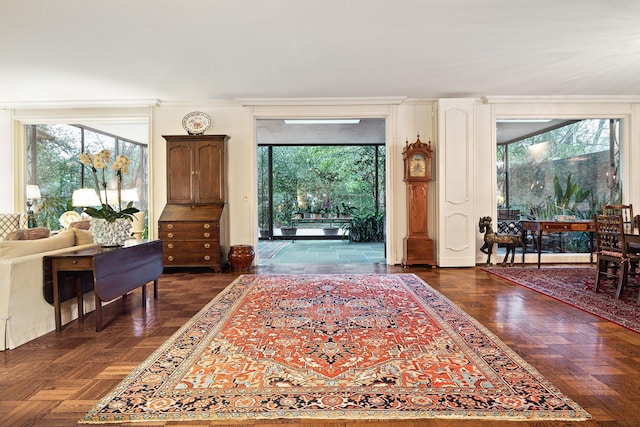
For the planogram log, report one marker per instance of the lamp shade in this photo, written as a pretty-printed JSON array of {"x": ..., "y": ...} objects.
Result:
[
  {"x": 130, "y": 195},
  {"x": 33, "y": 192},
  {"x": 109, "y": 196},
  {"x": 85, "y": 197}
]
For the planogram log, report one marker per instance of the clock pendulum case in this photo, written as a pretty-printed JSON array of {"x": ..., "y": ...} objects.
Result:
[{"x": 417, "y": 246}]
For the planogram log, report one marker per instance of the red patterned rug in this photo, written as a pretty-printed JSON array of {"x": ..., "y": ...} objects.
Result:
[
  {"x": 333, "y": 347},
  {"x": 574, "y": 286}
]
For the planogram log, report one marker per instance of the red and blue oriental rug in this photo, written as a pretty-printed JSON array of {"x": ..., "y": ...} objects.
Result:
[{"x": 333, "y": 347}]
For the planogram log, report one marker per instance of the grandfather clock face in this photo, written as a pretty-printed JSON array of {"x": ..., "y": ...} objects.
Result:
[{"x": 418, "y": 166}]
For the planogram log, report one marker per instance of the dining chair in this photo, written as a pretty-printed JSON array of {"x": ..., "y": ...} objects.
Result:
[
  {"x": 627, "y": 214},
  {"x": 613, "y": 258}
]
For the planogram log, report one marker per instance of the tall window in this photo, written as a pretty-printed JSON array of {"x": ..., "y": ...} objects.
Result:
[
  {"x": 52, "y": 162},
  {"x": 326, "y": 180},
  {"x": 569, "y": 169}
]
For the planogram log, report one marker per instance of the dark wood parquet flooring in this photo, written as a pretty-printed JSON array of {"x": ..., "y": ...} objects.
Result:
[{"x": 56, "y": 379}]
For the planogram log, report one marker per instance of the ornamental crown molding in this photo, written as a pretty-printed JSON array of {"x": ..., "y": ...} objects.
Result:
[
  {"x": 594, "y": 99},
  {"x": 99, "y": 103},
  {"x": 385, "y": 100}
]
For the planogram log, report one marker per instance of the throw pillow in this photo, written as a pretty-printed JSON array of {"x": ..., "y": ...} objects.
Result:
[
  {"x": 10, "y": 222},
  {"x": 29, "y": 234},
  {"x": 17, "y": 248},
  {"x": 82, "y": 225}
]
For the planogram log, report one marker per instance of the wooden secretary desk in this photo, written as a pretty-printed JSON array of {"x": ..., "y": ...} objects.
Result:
[{"x": 190, "y": 224}]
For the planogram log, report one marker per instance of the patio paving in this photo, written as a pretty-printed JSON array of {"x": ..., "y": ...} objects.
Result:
[{"x": 272, "y": 252}]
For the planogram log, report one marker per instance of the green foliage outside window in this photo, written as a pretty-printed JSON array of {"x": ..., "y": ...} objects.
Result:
[
  {"x": 327, "y": 180},
  {"x": 571, "y": 170},
  {"x": 52, "y": 162}
]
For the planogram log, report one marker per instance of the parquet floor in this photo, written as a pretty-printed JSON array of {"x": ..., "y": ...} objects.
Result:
[{"x": 56, "y": 379}]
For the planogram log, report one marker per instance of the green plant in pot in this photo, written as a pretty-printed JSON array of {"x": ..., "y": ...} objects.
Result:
[{"x": 110, "y": 223}]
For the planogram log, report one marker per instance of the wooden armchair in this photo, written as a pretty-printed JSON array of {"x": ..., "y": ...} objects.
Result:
[
  {"x": 613, "y": 258},
  {"x": 627, "y": 214}
]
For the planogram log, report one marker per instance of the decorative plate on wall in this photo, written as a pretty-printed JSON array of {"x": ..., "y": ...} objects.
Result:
[{"x": 196, "y": 123}]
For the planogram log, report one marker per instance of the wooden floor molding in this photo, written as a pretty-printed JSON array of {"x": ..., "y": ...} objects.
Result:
[{"x": 56, "y": 379}]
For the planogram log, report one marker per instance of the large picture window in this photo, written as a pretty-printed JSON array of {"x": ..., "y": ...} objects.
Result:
[
  {"x": 53, "y": 164},
  {"x": 323, "y": 182},
  {"x": 566, "y": 168}
]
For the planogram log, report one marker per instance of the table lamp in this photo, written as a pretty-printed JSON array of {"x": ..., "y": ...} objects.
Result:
[
  {"x": 33, "y": 193},
  {"x": 85, "y": 197}
]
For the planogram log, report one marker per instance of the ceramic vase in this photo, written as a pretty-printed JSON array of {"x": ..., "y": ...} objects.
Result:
[
  {"x": 241, "y": 257},
  {"x": 110, "y": 234}
]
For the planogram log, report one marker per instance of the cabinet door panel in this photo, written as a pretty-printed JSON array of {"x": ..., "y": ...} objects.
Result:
[
  {"x": 180, "y": 173},
  {"x": 210, "y": 170}
]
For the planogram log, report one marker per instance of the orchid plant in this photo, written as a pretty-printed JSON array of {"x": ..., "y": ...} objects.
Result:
[{"x": 98, "y": 163}]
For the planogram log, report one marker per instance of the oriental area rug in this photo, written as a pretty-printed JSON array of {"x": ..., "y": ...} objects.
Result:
[
  {"x": 333, "y": 347},
  {"x": 574, "y": 286}
]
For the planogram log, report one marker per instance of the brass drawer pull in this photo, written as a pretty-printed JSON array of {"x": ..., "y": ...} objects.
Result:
[
  {"x": 207, "y": 258},
  {"x": 169, "y": 225},
  {"x": 170, "y": 235},
  {"x": 170, "y": 258},
  {"x": 207, "y": 245},
  {"x": 207, "y": 235},
  {"x": 170, "y": 245},
  {"x": 207, "y": 225}
]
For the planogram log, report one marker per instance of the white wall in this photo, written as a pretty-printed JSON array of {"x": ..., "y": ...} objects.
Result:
[
  {"x": 230, "y": 119},
  {"x": 7, "y": 173},
  {"x": 238, "y": 121},
  {"x": 405, "y": 118}
]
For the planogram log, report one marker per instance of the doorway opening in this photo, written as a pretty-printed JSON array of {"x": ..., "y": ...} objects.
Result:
[{"x": 321, "y": 187}]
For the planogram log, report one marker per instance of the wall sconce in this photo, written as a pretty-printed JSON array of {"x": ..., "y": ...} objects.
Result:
[
  {"x": 33, "y": 193},
  {"x": 612, "y": 181}
]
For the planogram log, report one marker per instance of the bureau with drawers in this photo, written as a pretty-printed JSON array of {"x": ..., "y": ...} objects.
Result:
[
  {"x": 191, "y": 236},
  {"x": 190, "y": 225}
]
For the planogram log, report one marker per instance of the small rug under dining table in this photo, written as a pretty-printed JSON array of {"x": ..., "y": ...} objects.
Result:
[{"x": 333, "y": 347}]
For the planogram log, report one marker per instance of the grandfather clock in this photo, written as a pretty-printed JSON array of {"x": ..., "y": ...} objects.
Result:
[{"x": 417, "y": 246}]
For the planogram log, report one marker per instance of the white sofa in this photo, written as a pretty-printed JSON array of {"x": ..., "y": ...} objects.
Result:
[{"x": 24, "y": 312}]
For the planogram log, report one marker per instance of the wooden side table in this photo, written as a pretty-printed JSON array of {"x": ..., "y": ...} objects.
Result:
[
  {"x": 115, "y": 271},
  {"x": 550, "y": 226}
]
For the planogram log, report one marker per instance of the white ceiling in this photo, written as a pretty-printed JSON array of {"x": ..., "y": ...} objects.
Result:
[{"x": 78, "y": 50}]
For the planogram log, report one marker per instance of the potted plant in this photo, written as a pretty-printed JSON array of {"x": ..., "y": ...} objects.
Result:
[
  {"x": 264, "y": 231},
  {"x": 110, "y": 223},
  {"x": 287, "y": 229},
  {"x": 347, "y": 210},
  {"x": 315, "y": 213},
  {"x": 330, "y": 230}
]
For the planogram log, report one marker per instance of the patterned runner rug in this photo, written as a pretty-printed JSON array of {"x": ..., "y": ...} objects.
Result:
[
  {"x": 574, "y": 286},
  {"x": 333, "y": 347}
]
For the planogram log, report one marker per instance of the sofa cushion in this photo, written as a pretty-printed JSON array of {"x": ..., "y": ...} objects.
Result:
[
  {"x": 17, "y": 248},
  {"x": 29, "y": 234},
  {"x": 83, "y": 237}
]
